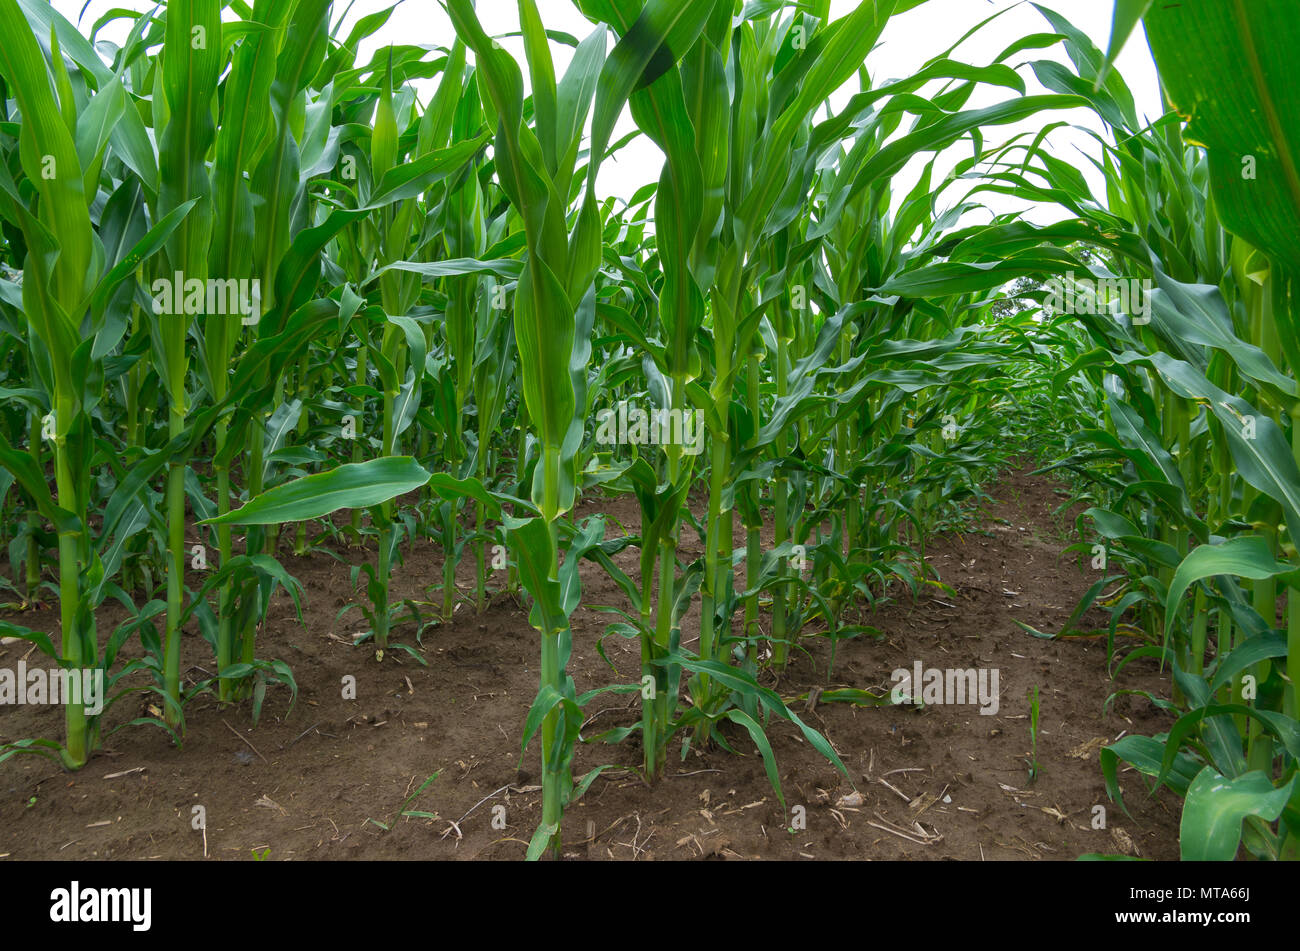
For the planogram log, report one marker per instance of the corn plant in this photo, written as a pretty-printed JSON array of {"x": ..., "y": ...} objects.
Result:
[
  {"x": 68, "y": 283},
  {"x": 555, "y": 303}
]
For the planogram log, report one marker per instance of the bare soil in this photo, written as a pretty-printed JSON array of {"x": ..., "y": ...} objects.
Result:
[{"x": 321, "y": 781}]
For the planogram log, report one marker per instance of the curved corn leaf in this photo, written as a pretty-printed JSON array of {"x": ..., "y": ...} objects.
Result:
[
  {"x": 1246, "y": 556},
  {"x": 1210, "y": 830},
  {"x": 351, "y": 486},
  {"x": 1226, "y": 67}
]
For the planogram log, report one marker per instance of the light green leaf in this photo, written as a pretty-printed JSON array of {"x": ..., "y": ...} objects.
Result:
[
  {"x": 1210, "y": 830},
  {"x": 352, "y": 486}
]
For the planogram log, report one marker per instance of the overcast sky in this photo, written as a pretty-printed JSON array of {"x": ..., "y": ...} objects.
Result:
[{"x": 909, "y": 40}]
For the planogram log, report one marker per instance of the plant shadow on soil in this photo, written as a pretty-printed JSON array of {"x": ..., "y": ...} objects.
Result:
[{"x": 943, "y": 782}]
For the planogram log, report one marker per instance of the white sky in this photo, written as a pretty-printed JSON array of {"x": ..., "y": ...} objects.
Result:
[{"x": 909, "y": 40}]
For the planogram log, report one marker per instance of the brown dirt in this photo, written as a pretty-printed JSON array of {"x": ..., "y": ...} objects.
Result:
[{"x": 304, "y": 783}]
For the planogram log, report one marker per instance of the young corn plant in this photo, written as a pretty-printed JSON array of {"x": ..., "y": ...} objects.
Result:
[
  {"x": 70, "y": 283},
  {"x": 555, "y": 307}
]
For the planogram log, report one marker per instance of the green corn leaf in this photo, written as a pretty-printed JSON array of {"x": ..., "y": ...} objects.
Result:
[
  {"x": 449, "y": 487},
  {"x": 893, "y": 156},
  {"x": 1226, "y": 67},
  {"x": 1266, "y": 461},
  {"x": 94, "y": 129},
  {"x": 453, "y": 267},
  {"x": 246, "y": 130},
  {"x": 408, "y": 398},
  {"x": 352, "y": 486},
  {"x": 49, "y": 159},
  {"x": 663, "y": 32},
  {"x": 1126, "y": 17},
  {"x": 1246, "y": 556},
  {"x": 1146, "y": 754},
  {"x": 530, "y": 544},
  {"x": 29, "y": 475},
  {"x": 39, "y": 638},
  {"x": 746, "y": 685},
  {"x": 541, "y": 69},
  {"x": 1198, "y": 314},
  {"x": 541, "y": 840},
  {"x": 1210, "y": 830},
  {"x": 192, "y": 61},
  {"x": 1254, "y": 649},
  {"x": 764, "y": 748},
  {"x": 141, "y": 251},
  {"x": 383, "y": 138}
]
